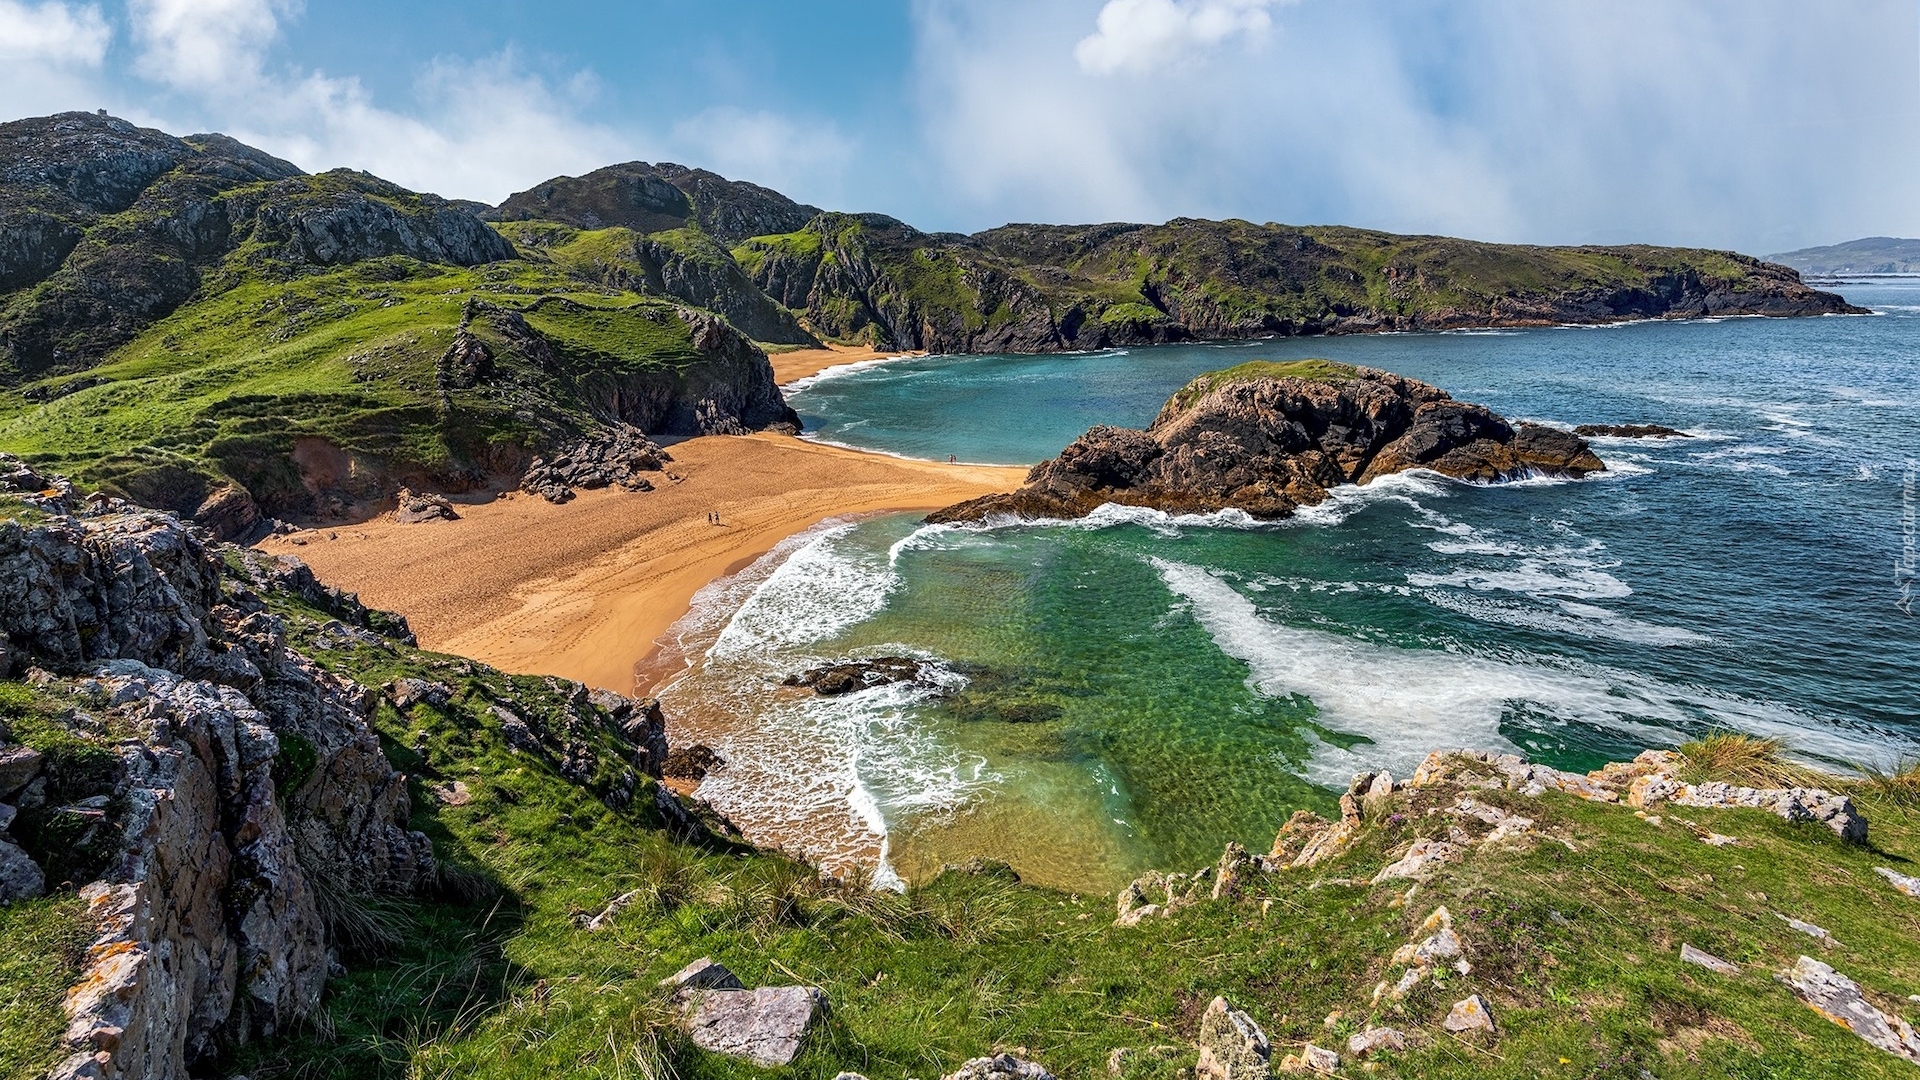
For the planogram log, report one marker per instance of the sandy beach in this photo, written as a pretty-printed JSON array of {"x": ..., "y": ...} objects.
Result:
[
  {"x": 802, "y": 363},
  {"x": 583, "y": 590}
]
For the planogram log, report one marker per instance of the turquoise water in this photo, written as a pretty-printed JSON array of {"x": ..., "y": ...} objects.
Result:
[{"x": 1133, "y": 691}]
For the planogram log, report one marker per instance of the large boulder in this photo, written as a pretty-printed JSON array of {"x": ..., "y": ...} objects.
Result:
[
  {"x": 1269, "y": 438},
  {"x": 764, "y": 1026},
  {"x": 1232, "y": 1046}
]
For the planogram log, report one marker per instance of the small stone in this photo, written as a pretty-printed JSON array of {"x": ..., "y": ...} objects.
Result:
[
  {"x": 1908, "y": 885},
  {"x": 20, "y": 877},
  {"x": 18, "y": 766},
  {"x": 1420, "y": 860},
  {"x": 999, "y": 1067},
  {"x": 764, "y": 1026},
  {"x": 1807, "y": 928},
  {"x": 1373, "y": 1040},
  {"x": 848, "y": 1076},
  {"x": 1313, "y": 1059},
  {"x": 703, "y": 974},
  {"x": 1691, "y": 955},
  {"x": 1469, "y": 1014},
  {"x": 406, "y": 693},
  {"x": 1714, "y": 839},
  {"x": 1232, "y": 1046},
  {"x": 414, "y": 508}
]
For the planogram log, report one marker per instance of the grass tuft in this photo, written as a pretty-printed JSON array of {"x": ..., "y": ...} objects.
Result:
[{"x": 1733, "y": 758}]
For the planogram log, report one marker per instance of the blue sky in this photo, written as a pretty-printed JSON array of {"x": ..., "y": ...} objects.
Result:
[{"x": 1752, "y": 124}]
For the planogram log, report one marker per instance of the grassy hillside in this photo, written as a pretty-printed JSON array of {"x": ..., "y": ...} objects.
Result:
[
  {"x": 1043, "y": 288},
  {"x": 226, "y": 388},
  {"x": 1571, "y": 934}
]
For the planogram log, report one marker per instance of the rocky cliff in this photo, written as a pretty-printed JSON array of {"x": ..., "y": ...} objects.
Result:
[
  {"x": 657, "y": 198},
  {"x": 219, "y": 800},
  {"x": 1269, "y": 438},
  {"x": 105, "y": 228}
]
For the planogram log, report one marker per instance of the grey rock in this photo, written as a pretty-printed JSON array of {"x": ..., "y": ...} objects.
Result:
[
  {"x": 1469, "y": 1014},
  {"x": 518, "y": 734},
  {"x": 20, "y": 876},
  {"x": 614, "y": 456},
  {"x": 703, "y": 974},
  {"x": 1313, "y": 1059},
  {"x": 405, "y": 693},
  {"x": 1233, "y": 871},
  {"x": 1373, "y": 1040},
  {"x": 1807, "y": 928},
  {"x": 1701, "y": 958},
  {"x": 1421, "y": 859},
  {"x": 764, "y": 1026},
  {"x": 7, "y": 814},
  {"x": 1232, "y": 1046},
  {"x": 999, "y": 1067},
  {"x": 1907, "y": 885},
  {"x": 6, "y": 657},
  {"x": 1835, "y": 811},
  {"x": 1838, "y": 998},
  {"x": 852, "y": 676},
  {"x": 414, "y": 508},
  {"x": 18, "y": 766}
]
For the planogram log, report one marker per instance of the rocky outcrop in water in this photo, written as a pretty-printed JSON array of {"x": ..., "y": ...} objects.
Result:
[
  {"x": 1270, "y": 438},
  {"x": 850, "y": 676},
  {"x": 1629, "y": 431}
]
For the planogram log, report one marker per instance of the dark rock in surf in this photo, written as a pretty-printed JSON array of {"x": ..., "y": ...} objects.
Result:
[
  {"x": 1629, "y": 431},
  {"x": 691, "y": 762},
  {"x": 1270, "y": 438},
  {"x": 856, "y": 675}
]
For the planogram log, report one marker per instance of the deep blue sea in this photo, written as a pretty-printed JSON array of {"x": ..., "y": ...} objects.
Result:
[{"x": 1133, "y": 691}]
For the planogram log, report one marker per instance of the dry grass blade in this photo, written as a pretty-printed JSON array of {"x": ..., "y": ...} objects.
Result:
[{"x": 1734, "y": 758}]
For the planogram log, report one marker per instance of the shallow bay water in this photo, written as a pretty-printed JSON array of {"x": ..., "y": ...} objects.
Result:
[{"x": 1133, "y": 691}]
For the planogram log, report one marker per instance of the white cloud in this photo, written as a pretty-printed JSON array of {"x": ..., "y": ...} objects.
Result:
[
  {"x": 52, "y": 33},
  {"x": 805, "y": 160},
  {"x": 50, "y": 57},
  {"x": 1756, "y": 124},
  {"x": 1142, "y": 35},
  {"x": 205, "y": 43}
]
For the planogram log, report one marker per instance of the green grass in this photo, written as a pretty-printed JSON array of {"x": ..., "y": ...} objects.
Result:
[
  {"x": 1574, "y": 945},
  {"x": 224, "y": 388},
  {"x": 1734, "y": 758},
  {"x": 1311, "y": 370},
  {"x": 42, "y": 948}
]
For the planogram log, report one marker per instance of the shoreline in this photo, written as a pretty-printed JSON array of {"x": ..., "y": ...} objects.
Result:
[
  {"x": 587, "y": 589},
  {"x": 797, "y": 364}
]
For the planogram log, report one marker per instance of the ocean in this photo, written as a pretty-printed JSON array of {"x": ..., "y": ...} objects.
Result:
[{"x": 1132, "y": 691}]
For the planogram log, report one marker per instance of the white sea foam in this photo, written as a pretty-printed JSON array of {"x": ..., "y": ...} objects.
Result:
[
  {"x": 818, "y": 775},
  {"x": 1566, "y": 617},
  {"x": 815, "y": 594},
  {"x": 1576, "y": 579},
  {"x": 841, "y": 371},
  {"x": 1410, "y": 701}
]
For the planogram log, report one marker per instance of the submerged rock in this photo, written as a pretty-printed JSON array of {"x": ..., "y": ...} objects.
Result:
[{"x": 1269, "y": 438}]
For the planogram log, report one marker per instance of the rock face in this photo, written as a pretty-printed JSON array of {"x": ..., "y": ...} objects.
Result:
[
  {"x": 614, "y": 456},
  {"x": 113, "y": 226},
  {"x": 1269, "y": 438},
  {"x": 245, "y": 790}
]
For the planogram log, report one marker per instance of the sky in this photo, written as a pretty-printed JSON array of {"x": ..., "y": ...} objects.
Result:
[{"x": 1756, "y": 125}]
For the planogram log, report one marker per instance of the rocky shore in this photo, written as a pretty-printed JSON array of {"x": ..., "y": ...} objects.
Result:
[{"x": 1268, "y": 439}]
